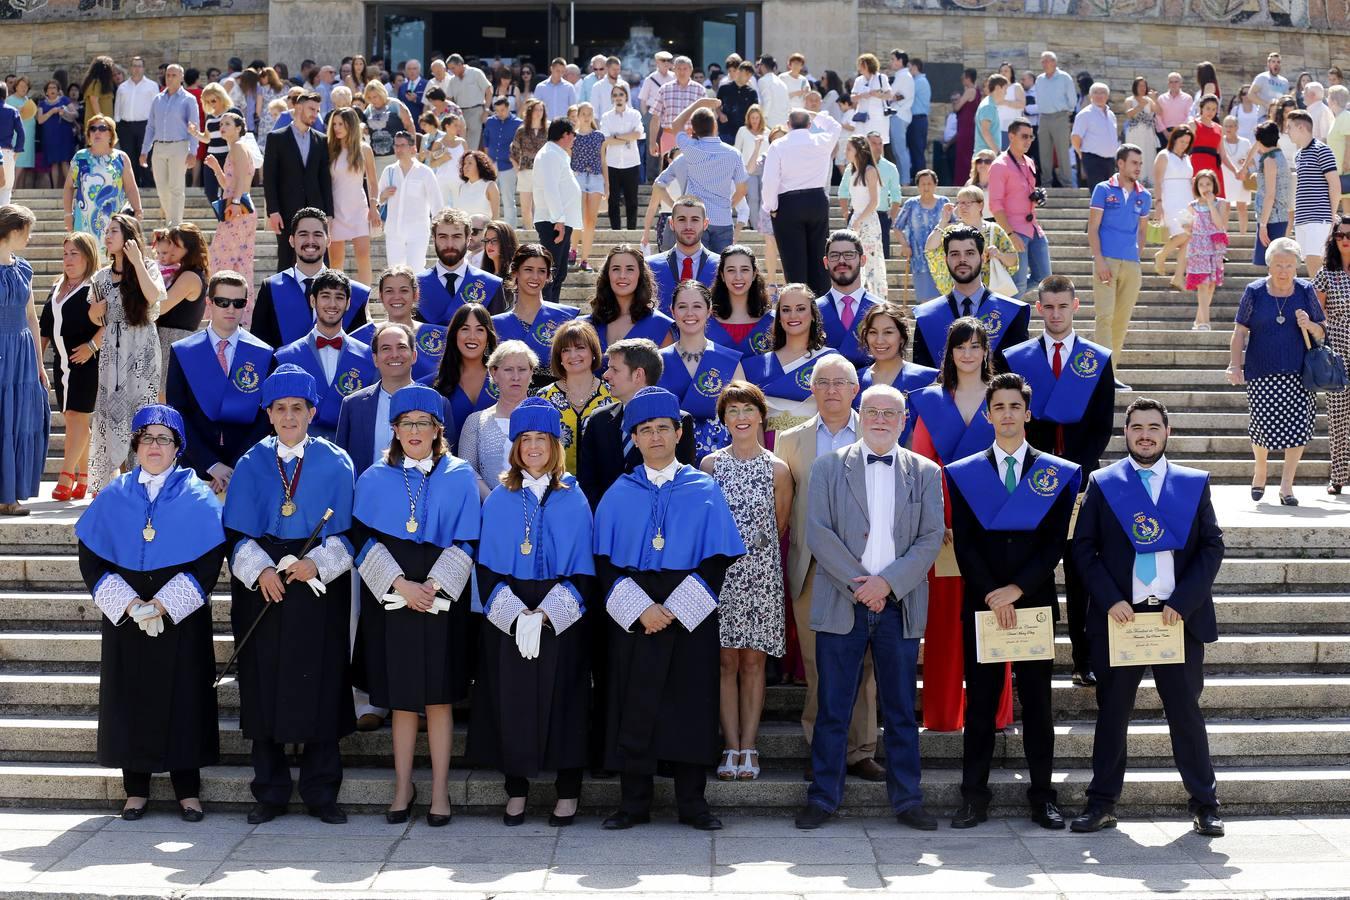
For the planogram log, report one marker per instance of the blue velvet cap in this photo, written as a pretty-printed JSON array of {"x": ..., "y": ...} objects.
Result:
[
  {"x": 417, "y": 398},
  {"x": 536, "y": 414},
  {"x": 289, "y": 380},
  {"x": 159, "y": 414},
  {"x": 650, "y": 403}
]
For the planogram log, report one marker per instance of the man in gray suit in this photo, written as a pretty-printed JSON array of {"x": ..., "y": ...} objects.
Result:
[{"x": 874, "y": 526}]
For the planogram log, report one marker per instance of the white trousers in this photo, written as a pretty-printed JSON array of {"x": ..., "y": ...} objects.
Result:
[{"x": 407, "y": 247}]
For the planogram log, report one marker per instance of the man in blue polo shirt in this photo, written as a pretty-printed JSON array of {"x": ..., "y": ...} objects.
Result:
[{"x": 1117, "y": 223}]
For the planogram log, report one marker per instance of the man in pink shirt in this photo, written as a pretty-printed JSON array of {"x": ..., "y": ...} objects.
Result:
[
  {"x": 1013, "y": 199},
  {"x": 1174, "y": 106}
]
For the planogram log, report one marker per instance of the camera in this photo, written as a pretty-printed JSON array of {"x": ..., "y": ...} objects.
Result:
[{"x": 1037, "y": 196}]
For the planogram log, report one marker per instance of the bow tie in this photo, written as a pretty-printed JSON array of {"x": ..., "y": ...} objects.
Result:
[
  {"x": 334, "y": 342},
  {"x": 286, "y": 454},
  {"x": 422, "y": 465},
  {"x": 146, "y": 478},
  {"x": 887, "y": 459},
  {"x": 536, "y": 485}
]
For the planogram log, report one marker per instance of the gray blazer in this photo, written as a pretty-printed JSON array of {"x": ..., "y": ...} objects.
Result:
[{"x": 837, "y": 529}]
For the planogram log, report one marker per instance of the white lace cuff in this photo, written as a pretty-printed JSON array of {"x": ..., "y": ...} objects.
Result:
[
  {"x": 379, "y": 570},
  {"x": 563, "y": 606},
  {"x": 249, "y": 562},
  {"x": 451, "y": 571},
  {"x": 691, "y": 602},
  {"x": 626, "y": 601},
  {"x": 332, "y": 557},
  {"x": 181, "y": 597},
  {"x": 112, "y": 594},
  {"x": 503, "y": 607}
]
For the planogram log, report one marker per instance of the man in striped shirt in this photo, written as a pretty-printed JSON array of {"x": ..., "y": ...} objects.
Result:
[
  {"x": 672, "y": 99},
  {"x": 1317, "y": 189}
]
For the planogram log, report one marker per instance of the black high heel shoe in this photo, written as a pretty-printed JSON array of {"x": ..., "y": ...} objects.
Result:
[
  {"x": 557, "y": 821},
  {"x": 435, "y": 820},
  {"x": 400, "y": 816}
]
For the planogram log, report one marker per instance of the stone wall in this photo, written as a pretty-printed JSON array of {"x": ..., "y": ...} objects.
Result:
[
  {"x": 826, "y": 31},
  {"x": 317, "y": 29}
]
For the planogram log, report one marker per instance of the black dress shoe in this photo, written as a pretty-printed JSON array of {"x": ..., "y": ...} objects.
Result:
[
  {"x": 1047, "y": 815},
  {"x": 622, "y": 821},
  {"x": 1084, "y": 679},
  {"x": 134, "y": 813},
  {"x": 436, "y": 820},
  {"x": 970, "y": 815},
  {"x": 704, "y": 821},
  {"x": 918, "y": 818},
  {"x": 401, "y": 816},
  {"x": 511, "y": 821},
  {"x": 1094, "y": 818},
  {"x": 812, "y": 817},
  {"x": 264, "y": 812},
  {"x": 868, "y": 770},
  {"x": 331, "y": 814},
  {"x": 1208, "y": 823},
  {"x": 189, "y": 814},
  {"x": 557, "y": 821}
]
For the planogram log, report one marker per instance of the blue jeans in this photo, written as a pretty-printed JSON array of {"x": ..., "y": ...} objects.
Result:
[
  {"x": 900, "y": 147},
  {"x": 1033, "y": 263},
  {"x": 719, "y": 237},
  {"x": 839, "y": 659},
  {"x": 916, "y": 140}
]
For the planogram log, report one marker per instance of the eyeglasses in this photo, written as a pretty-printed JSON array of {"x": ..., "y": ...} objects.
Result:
[
  {"x": 159, "y": 440},
  {"x": 652, "y": 430},
  {"x": 886, "y": 415},
  {"x": 227, "y": 302},
  {"x": 832, "y": 384},
  {"x": 420, "y": 425},
  {"x": 476, "y": 230},
  {"x": 94, "y": 128},
  {"x": 848, "y": 256},
  {"x": 491, "y": 240}
]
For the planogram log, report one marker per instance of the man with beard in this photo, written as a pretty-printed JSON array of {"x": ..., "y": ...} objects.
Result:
[
  {"x": 282, "y": 314},
  {"x": 1147, "y": 541},
  {"x": 339, "y": 364},
  {"x": 1004, "y": 318},
  {"x": 688, "y": 259},
  {"x": 453, "y": 281},
  {"x": 844, "y": 306},
  {"x": 295, "y": 174}
]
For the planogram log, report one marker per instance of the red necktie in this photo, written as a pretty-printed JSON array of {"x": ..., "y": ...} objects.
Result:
[
  {"x": 220, "y": 355},
  {"x": 1057, "y": 366},
  {"x": 335, "y": 342},
  {"x": 687, "y": 269}
]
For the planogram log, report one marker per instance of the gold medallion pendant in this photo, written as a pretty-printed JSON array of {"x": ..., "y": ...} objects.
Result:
[
  {"x": 288, "y": 508},
  {"x": 526, "y": 547},
  {"x": 148, "y": 532},
  {"x": 658, "y": 543},
  {"x": 411, "y": 525}
]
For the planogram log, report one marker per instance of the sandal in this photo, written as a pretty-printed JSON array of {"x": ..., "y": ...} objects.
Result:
[
  {"x": 1288, "y": 500},
  {"x": 749, "y": 769},
  {"x": 63, "y": 492},
  {"x": 729, "y": 770},
  {"x": 81, "y": 485}
]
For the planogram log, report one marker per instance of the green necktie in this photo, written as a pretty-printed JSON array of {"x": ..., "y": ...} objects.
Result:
[{"x": 1010, "y": 478}]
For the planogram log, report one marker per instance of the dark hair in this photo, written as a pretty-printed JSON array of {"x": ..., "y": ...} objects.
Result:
[
  {"x": 815, "y": 337},
  {"x": 447, "y": 378},
  {"x": 140, "y": 433},
  {"x": 962, "y": 233},
  {"x": 845, "y": 234},
  {"x": 1267, "y": 134},
  {"x": 742, "y": 392},
  {"x": 756, "y": 301},
  {"x": 604, "y": 303},
  {"x": 1300, "y": 116},
  {"x": 640, "y": 353},
  {"x": 196, "y": 258},
  {"x": 1145, "y": 403},
  {"x": 916, "y": 62},
  {"x": 1205, "y": 74},
  {"x": 1124, "y": 150},
  {"x": 487, "y": 169},
  {"x": 573, "y": 333},
  {"x": 1177, "y": 134},
  {"x": 308, "y": 97},
  {"x": 1134, "y": 85},
  {"x": 397, "y": 272},
  {"x": 1331, "y": 255},
  {"x": 434, "y": 93},
  {"x": 703, "y": 123},
  {"x": 100, "y": 73},
  {"x": 1008, "y": 381},
  {"x": 1019, "y": 123},
  {"x": 896, "y": 315},
  {"x": 134, "y": 302},
  {"x": 972, "y": 75},
  {"x": 525, "y": 253},
  {"x": 190, "y": 75},
  {"x": 768, "y": 62},
  {"x": 329, "y": 280},
  {"x": 960, "y": 331},
  {"x": 309, "y": 212},
  {"x": 15, "y": 218},
  {"x": 229, "y": 277},
  {"x": 559, "y": 128},
  {"x": 506, "y": 247},
  {"x": 863, "y": 151},
  {"x": 1055, "y": 284}
]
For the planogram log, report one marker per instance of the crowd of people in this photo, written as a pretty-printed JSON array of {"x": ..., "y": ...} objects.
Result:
[{"x": 709, "y": 470}]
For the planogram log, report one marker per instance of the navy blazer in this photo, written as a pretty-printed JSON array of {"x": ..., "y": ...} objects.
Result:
[
  {"x": 356, "y": 426},
  {"x": 1105, "y": 557},
  {"x": 666, "y": 273}
]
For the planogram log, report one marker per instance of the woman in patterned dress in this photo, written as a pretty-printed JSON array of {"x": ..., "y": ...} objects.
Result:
[
  {"x": 99, "y": 182},
  {"x": 232, "y": 244},
  {"x": 918, "y": 218},
  {"x": 1206, "y": 222},
  {"x": 866, "y": 194},
  {"x": 1332, "y": 283},
  {"x": 577, "y": 392},
  {"x": 128, "y": 365},
  {"x": 758, "y": 487}
]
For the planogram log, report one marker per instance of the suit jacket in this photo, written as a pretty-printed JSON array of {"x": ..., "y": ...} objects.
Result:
[
  {"x": 1085, "y": 440},
  {"x": 210, "y": 442},
  {"x": 356, "y": 425},
  {"x": 797, "y": 448},
  {"x": 837, "y": 528},
  {"x": 600, "y": 456},
  {"x": 993, "y": 559},
  {"x": 1105, "y": 557},
  {"x": 1014, "y": 334},
  {"x": 666, "y": 272},
  {"x": 290, "y": 183}
]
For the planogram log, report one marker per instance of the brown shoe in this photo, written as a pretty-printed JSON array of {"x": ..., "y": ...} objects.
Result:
[
  {"x": 868, "y": 770},
  {"x": 370, "y": 722}
]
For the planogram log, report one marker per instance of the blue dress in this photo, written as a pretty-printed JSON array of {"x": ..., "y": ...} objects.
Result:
[
  {"x": 916, "y": 223},
  {"x": 25, "y": 417},
  {"x": 58, "y": 138}
]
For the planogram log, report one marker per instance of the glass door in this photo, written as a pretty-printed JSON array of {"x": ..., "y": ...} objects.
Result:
[{"x": 402, "y": 33}]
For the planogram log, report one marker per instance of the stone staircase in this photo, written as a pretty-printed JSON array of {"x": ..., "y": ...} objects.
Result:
[{"x": 1278, "y": 693}]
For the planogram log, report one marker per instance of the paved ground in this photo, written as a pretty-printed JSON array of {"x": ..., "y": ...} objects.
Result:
[{"x": 76, "y": 854}]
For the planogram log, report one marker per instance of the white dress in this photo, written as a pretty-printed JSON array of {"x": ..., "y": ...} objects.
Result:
[
  {"x": 473, "y": 198},
  {"x": 869, "y": 229},
  {"x": 447, "y": 175},
  {"x": 874, "y": 107},
  {"x": 1176, "y": 191},
  {"x": 1232, "y": 184}
]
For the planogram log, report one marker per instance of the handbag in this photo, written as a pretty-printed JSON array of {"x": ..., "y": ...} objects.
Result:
[
  {"x": 221, "y": 206},
  {"x": 1323, "y": 368},
  {"x": 1156, "y": 233},
  {"x": 1249, "y": 181},
  {"x": 1000, "y": 281}
]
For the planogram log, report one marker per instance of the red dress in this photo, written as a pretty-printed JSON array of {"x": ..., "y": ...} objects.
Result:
[
  {"x": 1205, "y": 151},
  {"x": 944, "y": 695},
  {"x": 965, "y": 139}
]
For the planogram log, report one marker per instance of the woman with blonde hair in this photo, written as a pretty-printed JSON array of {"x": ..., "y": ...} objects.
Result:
[
  {"x": 100, "y": 181},
  {"x": 870, "y": 92},
  {"x": 483, "y": 441},
  {"x": 385, "y": 117},
  {"x": 589, "y": 167},
  {"x": 752, "y": 140},
  {"x": 352, "y": 164},
  {"x": 216, "y": 102},
  {"x": 72, "y": 326}
]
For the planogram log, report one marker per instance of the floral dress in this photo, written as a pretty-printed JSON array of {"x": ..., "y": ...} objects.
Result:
[
  {"x": 1205, "y": 251},
  {"x": 98, "y": 191},
  {"x": 572, "y": 418},
  {"x": 232, "y": 244},
  {"x": 267, "y": 120},
  {"x": 751, "y": 613},
  {"x": 916, "y": 223}
]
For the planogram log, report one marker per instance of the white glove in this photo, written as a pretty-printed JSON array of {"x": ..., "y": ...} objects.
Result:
[
  {"x": 315, "y": 585},
  {"x": 148, "y": 619},
  {"x": 394, "y": 600},
  {"x": 529, "y": 627}
]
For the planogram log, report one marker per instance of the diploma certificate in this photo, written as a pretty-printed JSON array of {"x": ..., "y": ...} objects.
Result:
[
  {"x": 1033, "y": 637},
  {"x": 1146, "y": 641}
]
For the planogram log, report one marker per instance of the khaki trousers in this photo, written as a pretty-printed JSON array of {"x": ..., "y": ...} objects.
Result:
[
  {"x": 862, "y": 729},
  {"x": 1115, "y": 304},
  {"x": 168, "y": 163}
]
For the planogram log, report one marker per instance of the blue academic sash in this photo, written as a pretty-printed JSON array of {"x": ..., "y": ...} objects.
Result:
[
  {"x": 952, "y": 437},
  {"x": 185, "y": 516},
  {"x": 539, "y": 333},
  {"x": 435, "y": 305},
  {"x": 1153, "y": 527},
  {"x": 1064, "y": 399},
  {"x": 759, "y": 340},
  {"x": 698, "y": 395},
  {"x": 1023, "y": 509},
  {"x": 912, "y": 377},
  {"x": 295, "y": 317},
  {"x": 355, "y": 370},
  {"x": 935, "y": 317},
  {"x": 849, "y": 341},
  {"x": 656, "y": 328},
  {"x": 233, "y": 398},
  {"x": 561, "y": 533},
  {"x": 766, "y": 372},
  {"x": 430, "y": 347}
]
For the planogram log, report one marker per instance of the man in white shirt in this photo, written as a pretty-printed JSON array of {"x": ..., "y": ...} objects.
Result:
[
  {"x": 601, "y": 91},
  {"x": 1314, "y": 96},
  {"x": 411, "y": 195},
  {"x": 440, "y": 77},
  {"x": 1270, "y": 85},
  {"x": 471, "y": 91},
  {"x": 901, "y": 110},
  {"x": 795, "y": 177},
  {"x": 131, "y": 110},
  {"x": 557, "y": 200},
  {"x": 795, "y": 81},
  {"x": 773, "y": 93}
]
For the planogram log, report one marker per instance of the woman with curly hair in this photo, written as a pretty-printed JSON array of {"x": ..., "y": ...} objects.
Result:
[
  {"x": 784, "y": 372},
  {"x": 624, "y": 303},
  {"x": 478, "y": 193}
]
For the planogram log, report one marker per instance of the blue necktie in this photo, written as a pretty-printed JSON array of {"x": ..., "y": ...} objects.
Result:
[{"x": 1146, "y": 564}]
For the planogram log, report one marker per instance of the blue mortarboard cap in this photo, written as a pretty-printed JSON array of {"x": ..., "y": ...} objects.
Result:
[
  {"x": 650, "y": 403},
  {"x": 289, "y": 380},
  {"x": 536, "y": 414}
]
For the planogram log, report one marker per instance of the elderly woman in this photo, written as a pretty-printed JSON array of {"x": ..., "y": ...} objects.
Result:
[
  {"x": 969, "y": 209},
  {"x": 99, "y": 182},
  {"x": 1267, "y": 350},
  {"x": 483, "y": 442}
]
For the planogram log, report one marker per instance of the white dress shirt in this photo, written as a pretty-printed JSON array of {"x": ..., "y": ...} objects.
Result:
[
  {"x": 615, "y": 124},
  {"x": 902, "y": 83},
  {"x": 416, "y": 200},
  {"x": 1019, "y": 457},
  {"x": 799, "y": 160},
  {"x": 154, "y": 483},
  {"x": 773, "y": 99},
  {"x": 231, "y": 343},
  {"x": 1065, "y": 352},
  {"x": 880, "y": 549},
  {"x": 286, "y": 454},
  {"x": 1165, "y": 582},
  {"x": 660, "y": 476},
  {"x": 795, "y": 83},
  {"x": 837, "y": 298},
  {"x": 133, "y": 99},
  {"x": 557, "y": 196},
  {"x": 602, "y": 97},
  {"x": 328, "y": 356}
]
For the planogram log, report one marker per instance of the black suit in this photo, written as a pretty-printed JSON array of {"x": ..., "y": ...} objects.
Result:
[
  {"x": 1106, "y": 558},
  {"x": 209, "y": 442},
  {"x": 1014, "y": 334},
  {"x": 291, "y": 183},
  {"x": 990, "y": 560}
]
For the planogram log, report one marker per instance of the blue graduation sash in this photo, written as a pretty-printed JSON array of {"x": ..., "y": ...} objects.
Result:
[
  {"x": 539, "y": 333},
  {"x": 759, "y": 340},
  {"x": 1023, "y": 509},
  {"x": 912, "y": 377},
  {"x": 850, "y": 341},
  {"x": 355, "y": 370},
  {"x": 952, "y": 437},
  {"x": 766, "y": 372},
  {"x": 435, "y": 305},
  {"x": 935, "y": 317},
  {"x": 327, "y": 481},
  {"x": 294, "y": 315},
  {"x": 185, "y": 516},
  {"x": 1149, "y": 527},
  {"x": 560, "y": 532},
  {"x": 655, "y": 327},
  {"x": 698, "y": 395},
  {"x": 446, "y": 515},
  {"x": 430, "y": 347},
  {"x": 1064, "y": 399},
  {"x": 233, "y": 399}
]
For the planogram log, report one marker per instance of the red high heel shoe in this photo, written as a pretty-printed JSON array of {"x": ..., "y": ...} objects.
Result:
[
  {"x": 61, "y": 493},
  {"x": 81, "y": 485}
]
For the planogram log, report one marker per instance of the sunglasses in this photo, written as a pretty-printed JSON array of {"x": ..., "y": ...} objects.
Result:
[
  {"x": 475, "y": 231},
  {"x": 227, "y": 302},
  {"x": 1343, "y": 235},
  {"x": 93, "y": 128}
]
